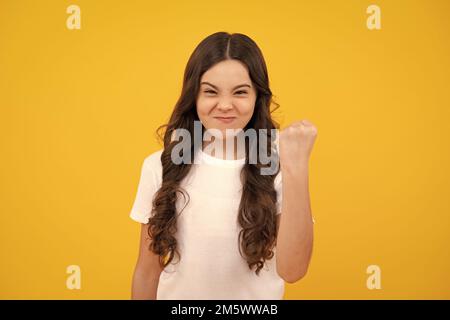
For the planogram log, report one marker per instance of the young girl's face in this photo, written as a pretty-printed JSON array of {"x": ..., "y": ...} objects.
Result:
[{"x": 226, "y": 99}]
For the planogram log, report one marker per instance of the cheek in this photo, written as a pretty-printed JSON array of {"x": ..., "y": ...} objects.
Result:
[
  {"x": 204, "y": 106},
  {"x": 245, "y": 107}
]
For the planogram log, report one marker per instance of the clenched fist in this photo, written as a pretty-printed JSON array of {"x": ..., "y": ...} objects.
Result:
[{"x": 296, "y": 143}]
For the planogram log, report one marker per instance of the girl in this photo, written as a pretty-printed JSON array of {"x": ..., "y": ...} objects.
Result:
[{"x": 210, "y": 226}]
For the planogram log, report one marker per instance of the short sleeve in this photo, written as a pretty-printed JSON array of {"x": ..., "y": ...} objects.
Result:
[
  {"x": 147, "y": 188},
  {"x": 278, "y": 188}
]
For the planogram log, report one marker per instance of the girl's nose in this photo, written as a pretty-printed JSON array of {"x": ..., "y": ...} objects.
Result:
[{"x": 225, "y": 106}]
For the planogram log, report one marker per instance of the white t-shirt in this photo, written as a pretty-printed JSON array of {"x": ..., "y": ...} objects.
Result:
[{"x": 211, "y": 266}]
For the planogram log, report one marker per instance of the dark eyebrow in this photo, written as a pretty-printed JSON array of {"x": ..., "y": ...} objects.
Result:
[{"x": 238, "y": 86}]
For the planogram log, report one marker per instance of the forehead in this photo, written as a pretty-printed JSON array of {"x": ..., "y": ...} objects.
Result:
[{"x": 227, "y": 73}]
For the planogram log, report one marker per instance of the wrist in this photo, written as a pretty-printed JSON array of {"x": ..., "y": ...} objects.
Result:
[{"x": 301, "y": 165}]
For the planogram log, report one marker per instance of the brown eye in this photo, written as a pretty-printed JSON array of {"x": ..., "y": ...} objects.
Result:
[
  {"x": 239, "y": 92},
  {"x": 209, "y": 91}
]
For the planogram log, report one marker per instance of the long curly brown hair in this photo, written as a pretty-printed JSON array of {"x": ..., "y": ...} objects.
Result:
[{"x": 257, "y": 209}]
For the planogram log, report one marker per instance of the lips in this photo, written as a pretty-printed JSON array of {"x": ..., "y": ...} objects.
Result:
[{"x": 225, "y": 119}]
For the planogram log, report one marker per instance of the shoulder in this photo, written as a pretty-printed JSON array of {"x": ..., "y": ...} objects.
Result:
[
  {"x": 153, "y": 159},
  {"x": 152, "y": 163}
]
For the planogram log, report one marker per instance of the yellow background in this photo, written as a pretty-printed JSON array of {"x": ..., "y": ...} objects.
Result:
[{"x": 79, "y": 109}]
